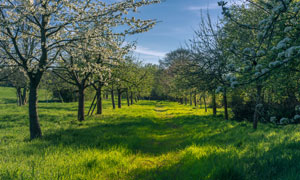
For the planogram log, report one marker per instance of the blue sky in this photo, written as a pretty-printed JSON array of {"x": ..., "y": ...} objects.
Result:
[{"x": 177, "y": 21}]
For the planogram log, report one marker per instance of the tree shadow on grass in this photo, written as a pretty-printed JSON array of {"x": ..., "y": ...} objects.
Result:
[
  {"x": 8, "y": 101},
  {"x": 146, "y": 103},
  {"x": 138, "y": 135},
  {"x": 59, "y": 107},
  {"x": 280, "y": 162},
  {"x": 214, "y": 165},
  {"x": 146, "y": 135},
  {"x": 153, "y": 136}
]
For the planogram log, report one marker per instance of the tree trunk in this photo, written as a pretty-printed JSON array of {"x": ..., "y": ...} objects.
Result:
[
  {"x": 59, "y": 94},
  {"x": 204, "y": 99},
  {"x": 258, "y": 101},
  {"x": 113, "y": 99},
  {"x": 200, "y": 103},
  {"x": 127, "y": 94},
  {"x": 214, "y": 104},
  {"x": 104, "y": 95},
  {"x": 191, "y": 99},
  {"x": 181, "y": 100},
  {"x": 185, "y": 100},
  {"x": 225, "y": 104},
  {"x": 24, "y": 97},
  {"x": 99, "y": 99},
  {"x": 19, "y": 96},
  {"x": 81, "y": 104},
  {"x": 195, "y": 99},
  {"x": 131, "y": 98},
  {"x": 34, "y": 125},
  {"x": 119, "y": 98}
]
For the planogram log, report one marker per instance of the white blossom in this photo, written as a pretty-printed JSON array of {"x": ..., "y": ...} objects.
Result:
[
  {"x": 273, "y": 119},
  {"x": 297, "y": 117},
  {"x": 284, "y": 121}
]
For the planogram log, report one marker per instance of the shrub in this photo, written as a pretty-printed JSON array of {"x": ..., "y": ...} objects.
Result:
[
  {"x": 242, "y": 109},
  {"x": 67, "y": 95}
]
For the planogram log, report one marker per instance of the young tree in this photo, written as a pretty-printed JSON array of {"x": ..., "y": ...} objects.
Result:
[{"x": 211, "y": 60}]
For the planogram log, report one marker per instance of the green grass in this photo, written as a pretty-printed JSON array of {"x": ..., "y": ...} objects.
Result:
[
  {"x": 8, "y": 95},
  {"x": 149, "y": 140}
]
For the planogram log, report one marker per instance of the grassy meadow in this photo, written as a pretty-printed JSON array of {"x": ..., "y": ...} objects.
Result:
[{"x": 149, "y": 140}]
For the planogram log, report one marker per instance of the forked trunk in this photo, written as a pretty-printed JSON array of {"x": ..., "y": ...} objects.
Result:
[{"x": 34, "y": 125}]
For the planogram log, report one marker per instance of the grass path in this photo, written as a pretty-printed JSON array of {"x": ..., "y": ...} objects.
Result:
[{"x": 149, "y": 140}]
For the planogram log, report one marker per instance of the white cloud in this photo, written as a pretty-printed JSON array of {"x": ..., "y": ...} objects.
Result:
[
  {"x": 209, "y": 7},
  {"x": 147, "y": 51}
]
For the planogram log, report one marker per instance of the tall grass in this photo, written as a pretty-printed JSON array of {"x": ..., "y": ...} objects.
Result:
[{"x": 149, "y": 140}]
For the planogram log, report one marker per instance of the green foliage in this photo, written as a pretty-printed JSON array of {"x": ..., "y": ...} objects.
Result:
[
  {"x": 242, "y": 107},
  {"x": 149, "y": 140}
]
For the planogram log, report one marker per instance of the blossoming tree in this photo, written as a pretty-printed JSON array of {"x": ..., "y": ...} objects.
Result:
[{"x": 34, "y": 32}]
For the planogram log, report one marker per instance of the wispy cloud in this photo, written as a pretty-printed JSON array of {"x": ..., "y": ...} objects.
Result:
[
  {"x": 150, "y": 52},
  {"x": 213, "y": 6}
]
